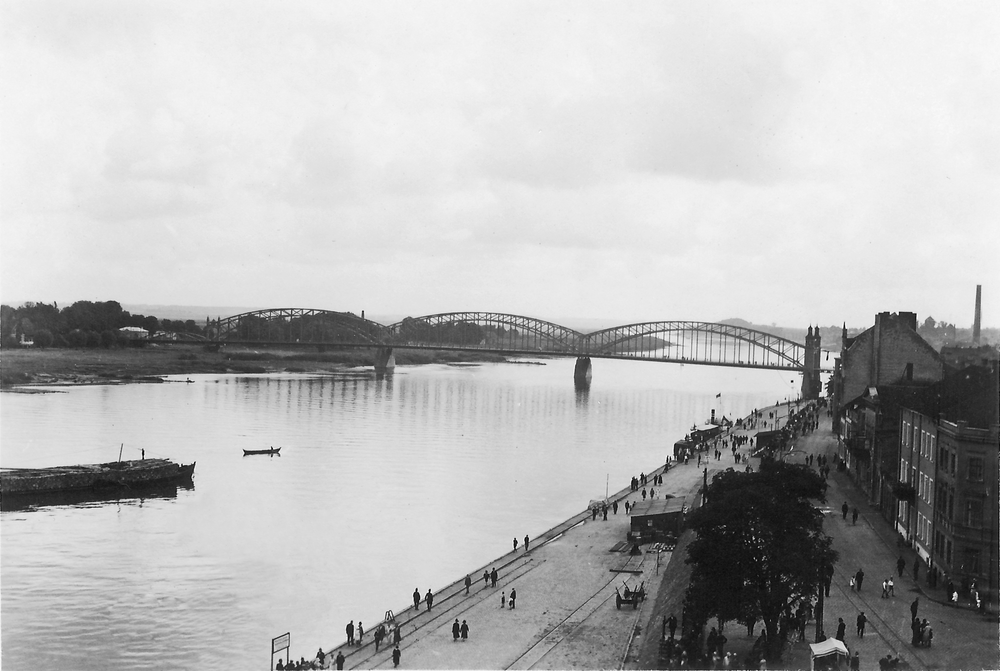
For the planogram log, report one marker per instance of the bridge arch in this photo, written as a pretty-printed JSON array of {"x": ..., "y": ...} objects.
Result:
[
  {"x": 495, "y": 331},
  {"x": 298, "y": 325},
  {"x": 695, "y": 342}
]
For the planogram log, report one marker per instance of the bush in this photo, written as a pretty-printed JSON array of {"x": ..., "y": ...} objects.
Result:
[
  {"x": 43, "y": 338},
  {"x": 93, "y": 339},
  {"x": 108, "y": 339},
  {"x": 76, "y": 338}
]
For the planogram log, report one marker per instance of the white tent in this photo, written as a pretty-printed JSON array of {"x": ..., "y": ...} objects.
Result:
[{"x": 828, "y": 654}]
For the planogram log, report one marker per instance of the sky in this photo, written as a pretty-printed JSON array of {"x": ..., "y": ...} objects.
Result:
[{"x": 782, "y": 162}]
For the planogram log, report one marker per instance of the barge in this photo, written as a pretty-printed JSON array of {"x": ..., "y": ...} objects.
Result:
[{"x": 115, "y": 474}]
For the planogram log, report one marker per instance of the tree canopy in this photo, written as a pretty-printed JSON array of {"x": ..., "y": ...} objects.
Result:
[{"x": 759, "y": 550}]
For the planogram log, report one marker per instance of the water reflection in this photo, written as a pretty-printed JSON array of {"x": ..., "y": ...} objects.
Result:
[{"x": 94, "y": 497}]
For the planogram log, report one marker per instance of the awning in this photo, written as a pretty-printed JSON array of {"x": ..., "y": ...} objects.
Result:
[{"x": 830, "y": 646}]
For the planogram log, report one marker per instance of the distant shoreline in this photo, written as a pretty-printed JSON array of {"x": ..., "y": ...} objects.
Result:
[{"x": 72, "y": 367}]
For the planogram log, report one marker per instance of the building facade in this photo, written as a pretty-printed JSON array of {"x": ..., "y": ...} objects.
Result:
[{"x": 948, "y": 478}]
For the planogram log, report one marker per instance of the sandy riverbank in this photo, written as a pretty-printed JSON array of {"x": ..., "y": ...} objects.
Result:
[{"x": 26, "y": 367}]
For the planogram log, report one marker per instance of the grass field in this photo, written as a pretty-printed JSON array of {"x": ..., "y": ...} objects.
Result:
[{"x": 106, "y": 366}]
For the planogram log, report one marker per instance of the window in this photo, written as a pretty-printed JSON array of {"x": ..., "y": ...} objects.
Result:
[
  {"x": 974, "y": 513},
  {"x": 970, "y": 560},
  {"x": 976, "y": 468}
]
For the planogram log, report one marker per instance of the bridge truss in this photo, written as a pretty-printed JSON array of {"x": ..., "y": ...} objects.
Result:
[
  {"x": 671, "y": 341},
  {"x": 298, "y": 325}
]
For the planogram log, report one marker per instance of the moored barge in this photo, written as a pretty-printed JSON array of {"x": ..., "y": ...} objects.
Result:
[{"x": 132, "y": 474}]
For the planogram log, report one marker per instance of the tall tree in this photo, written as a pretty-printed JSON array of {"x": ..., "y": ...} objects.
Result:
[{"x": 759, "y": 550}]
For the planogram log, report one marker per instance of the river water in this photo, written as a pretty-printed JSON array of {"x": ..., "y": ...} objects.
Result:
[{"x": 381, "y": 486}]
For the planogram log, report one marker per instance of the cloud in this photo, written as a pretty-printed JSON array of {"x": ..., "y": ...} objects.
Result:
[{"x": 569, "y": 158}]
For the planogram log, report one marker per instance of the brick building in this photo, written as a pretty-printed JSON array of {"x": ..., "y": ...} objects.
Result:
[
  {"x": 948, "y": 480},
  {"x": 881, "y": 370}
]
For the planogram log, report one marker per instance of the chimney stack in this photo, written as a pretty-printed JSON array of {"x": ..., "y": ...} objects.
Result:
[{"x": 979, "y": 315}]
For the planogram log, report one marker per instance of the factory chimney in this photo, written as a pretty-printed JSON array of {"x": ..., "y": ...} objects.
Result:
[{"x": 979, "y": 315}]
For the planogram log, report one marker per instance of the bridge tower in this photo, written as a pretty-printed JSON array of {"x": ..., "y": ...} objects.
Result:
[{"x": 812, "y": 385}]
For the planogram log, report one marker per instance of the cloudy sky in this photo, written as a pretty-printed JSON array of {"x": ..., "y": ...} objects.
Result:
[{"x": 787, "y": 163}]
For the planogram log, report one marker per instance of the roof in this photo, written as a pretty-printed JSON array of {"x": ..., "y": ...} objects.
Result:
[
  {"x": 828, "y": 647},
  {"x": 657, "y": 507}
]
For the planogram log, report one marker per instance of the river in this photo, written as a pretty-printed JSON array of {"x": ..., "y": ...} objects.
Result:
[{"x": 382, "y": 485}]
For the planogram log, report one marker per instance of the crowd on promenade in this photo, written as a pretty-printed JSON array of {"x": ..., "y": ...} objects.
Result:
[{"x": 646, "y": 486}]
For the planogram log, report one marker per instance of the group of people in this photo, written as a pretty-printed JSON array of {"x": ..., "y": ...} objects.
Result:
[
  {"x": 460, "y": 630},
  {"x": 508, "y": 603}
]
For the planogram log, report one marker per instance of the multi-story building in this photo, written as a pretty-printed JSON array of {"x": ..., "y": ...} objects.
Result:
[
  {"x": 879, "y": 371},
  {"x": 948, "y": 480}
]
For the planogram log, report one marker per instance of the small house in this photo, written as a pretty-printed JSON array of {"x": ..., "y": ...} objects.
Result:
[{"x": 657, "y": 519}]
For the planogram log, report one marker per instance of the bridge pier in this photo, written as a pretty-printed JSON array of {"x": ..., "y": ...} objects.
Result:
[
  {"x": 385, "y": 360},
  {"x": 582, "y": 373}
]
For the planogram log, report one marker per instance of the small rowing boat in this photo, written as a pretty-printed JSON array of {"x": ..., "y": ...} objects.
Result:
[{"x": 271, "y": 451}]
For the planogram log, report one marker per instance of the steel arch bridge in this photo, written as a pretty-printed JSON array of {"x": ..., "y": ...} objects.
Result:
[{"x": 693, "y": 342}]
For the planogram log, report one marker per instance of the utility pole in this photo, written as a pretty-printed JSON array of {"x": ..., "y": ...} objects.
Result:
[{"x": 819, "y": 603}]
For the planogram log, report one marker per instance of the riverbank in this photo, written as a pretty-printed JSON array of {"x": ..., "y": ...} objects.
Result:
[
  {"x": 566, "y": 614},
  {"x": 53, "y": 366}
]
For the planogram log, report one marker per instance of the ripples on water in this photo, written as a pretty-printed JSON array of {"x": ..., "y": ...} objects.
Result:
[{"x": 382, "y": 486}]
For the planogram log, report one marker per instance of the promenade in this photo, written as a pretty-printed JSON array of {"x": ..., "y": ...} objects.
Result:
[{"x": 565, "y": 615}]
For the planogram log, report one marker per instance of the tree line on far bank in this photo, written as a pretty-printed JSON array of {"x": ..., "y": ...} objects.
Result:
[{"x": 82, "y": 324}]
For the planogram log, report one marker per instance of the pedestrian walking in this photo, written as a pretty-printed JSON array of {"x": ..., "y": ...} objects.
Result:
[
  {"x": 416, "y": 599},
  {"x": 913, "y": 608},
  {"x": 468, "y": 582},
  {"x": 486, "y": 578},
  {"x": 841, "y": 629},
  {"x": 862, "y": 621},
  {"x": 513, "y": 597},
  {"x": 844, "y": 509},
  {"x": 456, "y": 629},
  {"x": 672, "y": 624},
  {"x": 339, "y": 660},
  {"x": 397, "y": 636},
  {"x": 892, "y": 586},
  {"x": 361, "y": 632},
  {"x": 859, "y": 578},
  {"x": 379, "y": 635},
  {"x": 350, "y": 633},
  {"x": 429, "y": 599},
  {"x": 614, "y": 507},
  {"x": 493, "y": 577},
  {"x": 856, "y": 662},
  {"x": 854, "y": 516},
  {"x": 885, "y": 589},
  {"x": 465, "y": 630},
  {"x": 525, "y": 542},
  {"x": 604, "y": 511},
  {"x": 396, "y": 654},
  {"x": 503, "y": 599},
  {"x": 900, "y": 565},
  {"x": 643, "y": 493}
]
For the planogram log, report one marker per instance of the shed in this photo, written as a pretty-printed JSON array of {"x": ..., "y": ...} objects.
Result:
[
  {"x": 769, "y": 440},
  {"x": 828, "y": 654},
  {"x": 657, "y": 519},
  {"x": 705, "y": 432}
]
